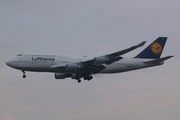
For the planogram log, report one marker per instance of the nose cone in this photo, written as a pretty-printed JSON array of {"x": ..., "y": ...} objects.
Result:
[{"x": 9, "y": 63}]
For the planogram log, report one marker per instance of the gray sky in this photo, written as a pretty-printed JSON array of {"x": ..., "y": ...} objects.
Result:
[{"x": 92, "y": 28}]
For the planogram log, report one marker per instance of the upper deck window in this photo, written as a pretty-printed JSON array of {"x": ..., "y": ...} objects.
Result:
[{"x": 19, "y": 55}]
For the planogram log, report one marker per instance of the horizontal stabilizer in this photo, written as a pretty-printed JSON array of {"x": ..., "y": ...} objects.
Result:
[{"x": 158, "y": 60}]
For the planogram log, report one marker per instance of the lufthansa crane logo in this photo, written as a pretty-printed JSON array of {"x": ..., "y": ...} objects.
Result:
[{"x": 156, "y": 48}]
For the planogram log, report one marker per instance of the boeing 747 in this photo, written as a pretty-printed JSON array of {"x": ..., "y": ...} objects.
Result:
[{"x": 77, "y": 68}]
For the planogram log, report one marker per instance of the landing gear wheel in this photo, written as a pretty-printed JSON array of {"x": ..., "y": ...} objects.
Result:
[
  {"x": 24, "y": 76},
  {"x": 89, "y": 77},
  {"x": 78, "y": 81}
]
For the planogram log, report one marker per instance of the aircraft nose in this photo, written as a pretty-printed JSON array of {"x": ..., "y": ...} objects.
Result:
[{"x": 9, "y": 63}]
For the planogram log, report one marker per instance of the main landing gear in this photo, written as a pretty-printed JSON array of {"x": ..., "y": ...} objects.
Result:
[
  {"x": 87, "y": 77},
  {"x": 24, "y": 76},
  {"x": 78, "y": 80}
]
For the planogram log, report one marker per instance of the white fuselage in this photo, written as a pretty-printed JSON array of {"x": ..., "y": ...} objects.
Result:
[{"x": 46, "y": 63}]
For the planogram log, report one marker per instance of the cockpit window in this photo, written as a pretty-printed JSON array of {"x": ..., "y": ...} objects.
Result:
[{"x": 19, "y": 55}]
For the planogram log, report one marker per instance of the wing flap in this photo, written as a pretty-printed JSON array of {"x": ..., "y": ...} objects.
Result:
[{"x": 98, "y": 68}]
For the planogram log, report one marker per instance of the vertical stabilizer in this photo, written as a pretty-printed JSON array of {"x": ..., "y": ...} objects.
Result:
[{"x": 154, "y": 50}]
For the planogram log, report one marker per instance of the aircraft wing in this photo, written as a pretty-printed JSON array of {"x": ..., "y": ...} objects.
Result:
[
  {"x": 96, "y": 65},
  {"x": 110, "y": 58},
  {"x": 126, "y": 50}
]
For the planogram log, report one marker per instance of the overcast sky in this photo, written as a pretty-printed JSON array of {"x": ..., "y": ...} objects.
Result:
[{"x": 91, "y": 28}]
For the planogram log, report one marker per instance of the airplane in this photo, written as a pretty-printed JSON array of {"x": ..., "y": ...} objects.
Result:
[{"x": 77, "y": 68}]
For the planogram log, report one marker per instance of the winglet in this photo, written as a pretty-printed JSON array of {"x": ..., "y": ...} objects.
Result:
[{"x": 141, "y": 44}]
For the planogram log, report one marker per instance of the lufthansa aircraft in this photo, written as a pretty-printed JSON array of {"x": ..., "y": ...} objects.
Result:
[{"x": 77, "y": 68}]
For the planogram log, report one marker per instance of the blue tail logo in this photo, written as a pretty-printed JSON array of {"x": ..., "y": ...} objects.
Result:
[{"x": 154, "y": 50}]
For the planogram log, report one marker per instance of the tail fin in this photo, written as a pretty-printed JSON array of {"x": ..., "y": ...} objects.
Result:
[{"x": 154, "y": 50}]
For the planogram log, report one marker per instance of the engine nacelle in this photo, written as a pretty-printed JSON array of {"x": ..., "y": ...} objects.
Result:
[
  {"x": 100, "y": 60},
  {"x": 60, "y": 75},
  {"x": 72, "y": 67},
  {"x": 75, "y": 76}
]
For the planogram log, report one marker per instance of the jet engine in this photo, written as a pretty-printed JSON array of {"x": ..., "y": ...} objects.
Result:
[
  {"x": 60, "y": 75},
  {"x": 100, "y": 60},
  {"x": 75, "y": 76},
  {"x": 72, "y": 67},
  {"x": 106, "y": 60}
]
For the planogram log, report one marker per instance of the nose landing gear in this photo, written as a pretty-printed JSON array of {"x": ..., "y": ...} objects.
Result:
[{"x": 24, "y": 76}]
